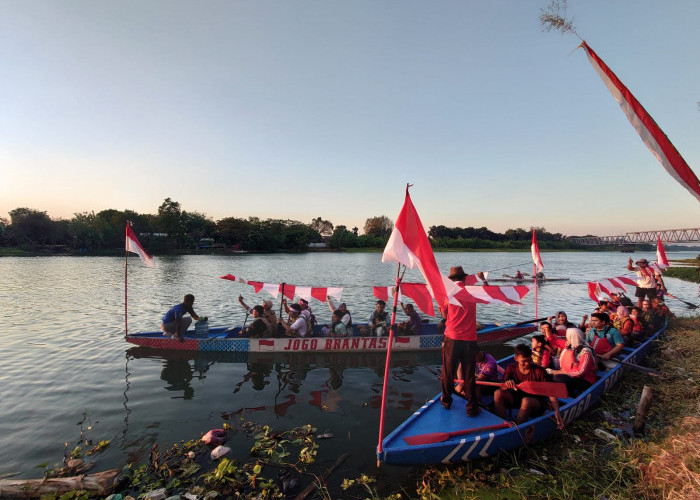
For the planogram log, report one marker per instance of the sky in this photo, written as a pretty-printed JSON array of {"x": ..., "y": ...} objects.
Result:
[{"x": 300, "y": 109}]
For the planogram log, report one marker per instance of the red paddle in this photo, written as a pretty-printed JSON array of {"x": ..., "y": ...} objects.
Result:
[
  {"x": 551, "y": 389},
  {"x": 439, "y": 437}
]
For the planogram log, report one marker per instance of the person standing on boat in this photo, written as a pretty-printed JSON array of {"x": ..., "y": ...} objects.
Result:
[
  {"x": 299, "y": 324},
  {"x": 174, "y": 323},
  {"x": 529, "y": 405},
  {"x": 647, "y": 277},
  {"x": 459, "y": 347}
]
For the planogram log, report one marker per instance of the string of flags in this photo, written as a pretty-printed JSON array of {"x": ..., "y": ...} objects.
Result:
[{"x": 418, "y": 292}]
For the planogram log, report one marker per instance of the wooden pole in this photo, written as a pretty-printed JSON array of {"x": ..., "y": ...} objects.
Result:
[
  {"x": 315, "y": 484},
  {"x": 99, "y": 483},
  {"x": 126, "y": 269},
  {"x": 643, "y": 409}
]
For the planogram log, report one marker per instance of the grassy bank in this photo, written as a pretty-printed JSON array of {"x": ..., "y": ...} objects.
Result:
[
  {"x": 575, "y": 463},
  {"x": 684, "y": 273}
]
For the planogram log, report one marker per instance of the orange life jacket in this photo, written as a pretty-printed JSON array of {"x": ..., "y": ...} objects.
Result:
[{"x": 568, "y": 363}]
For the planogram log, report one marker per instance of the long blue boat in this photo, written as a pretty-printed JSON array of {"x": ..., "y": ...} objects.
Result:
[{"x": 487, "y": 434}]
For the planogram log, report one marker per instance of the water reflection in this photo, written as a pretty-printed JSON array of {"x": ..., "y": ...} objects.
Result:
[{"x": 313, "y": 380}]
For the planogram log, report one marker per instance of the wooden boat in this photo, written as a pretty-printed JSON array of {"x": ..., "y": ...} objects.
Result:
[
  {"x": 524, "y": 280},
  {"x": 462, "y": 438},
  {"x": 227, "y": 340}
]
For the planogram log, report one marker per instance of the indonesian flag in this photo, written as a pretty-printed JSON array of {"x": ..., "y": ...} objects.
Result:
[
  {"x": 133, "y": 246},
  {"x": 536, "y": 253},
  {"x": 661, "y": 260},
  {"x": 650, "y": 133},
  {"x": 594, "y": 291},
  {"x": 409, "y": 245}
]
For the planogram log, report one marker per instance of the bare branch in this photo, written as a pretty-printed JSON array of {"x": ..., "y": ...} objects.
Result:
[{"x": 554, "y": 18}]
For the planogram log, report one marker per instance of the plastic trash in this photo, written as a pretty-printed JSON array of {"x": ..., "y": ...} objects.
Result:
[
  {"x": 604, "y": 435},
  {"x": 215, "y": 437},
  {"x": 158, "y": 494},
  {"x": 219, "y": 451},
  {"x": 325, "y": 435}
]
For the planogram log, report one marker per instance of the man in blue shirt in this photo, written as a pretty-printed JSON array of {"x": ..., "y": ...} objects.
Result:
[
  {"x": 174, "y": 324},
  {"x": 604, "y": 338}
]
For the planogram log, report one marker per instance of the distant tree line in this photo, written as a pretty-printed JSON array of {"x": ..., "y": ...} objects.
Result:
[{"x": 172, "y": 229}]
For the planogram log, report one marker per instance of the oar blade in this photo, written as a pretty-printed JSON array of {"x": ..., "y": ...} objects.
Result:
[
  {"x": 430, "y": 438},
  {"x": 551, "y": 389}
]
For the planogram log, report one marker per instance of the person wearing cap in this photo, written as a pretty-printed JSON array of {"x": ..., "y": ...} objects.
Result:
[
  {"x": 268, "y": 315},
  {"x": 459, "y": 347},
  {"x": 647, "y": 277},
  {"x": 298, "y": 324},
  {"x": 346, "y": 318}
]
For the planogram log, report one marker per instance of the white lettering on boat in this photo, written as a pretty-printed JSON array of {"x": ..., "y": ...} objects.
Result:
[
  {"x": 571, "y": 414},
  {"x": 336, "y": 344}
]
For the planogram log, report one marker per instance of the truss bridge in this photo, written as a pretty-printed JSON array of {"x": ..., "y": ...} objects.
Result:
[{"x": 638, "y": 237}]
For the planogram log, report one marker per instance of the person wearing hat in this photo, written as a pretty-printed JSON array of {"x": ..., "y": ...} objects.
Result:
[
  {"x": 647, "y": 277},
  {"x": 298, "y": 324},
  {"x": 459, "y": 347}
]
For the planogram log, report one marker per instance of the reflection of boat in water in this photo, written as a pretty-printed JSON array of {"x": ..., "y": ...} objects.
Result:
[
  {"x": 287, "y": 375},
  {"x": 227, "y": 340}
]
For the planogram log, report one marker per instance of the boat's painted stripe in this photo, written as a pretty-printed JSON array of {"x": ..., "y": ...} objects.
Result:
[
  {"x": 484, "y": 450},
  {"x": 465, "y": 457},
  {"x": 448, "y": 458}
]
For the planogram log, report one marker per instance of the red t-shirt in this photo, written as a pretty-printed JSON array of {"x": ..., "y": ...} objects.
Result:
[{"x": 461, "y": 321}]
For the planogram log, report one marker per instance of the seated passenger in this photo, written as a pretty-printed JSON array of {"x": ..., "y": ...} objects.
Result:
[
  {"x": 519, "y": 275},
  {"x": 297, "y": 325},
  {"x": 561, "y": 324},
  {"x": 553, "y": 343},
  {"x": 540, "y": 354},
  {"x": 259, "y": 327},
  {"x": 659, "y": 313},
  {"x": 604, "y": 338},
  {"x": 338, "y": 328},
  {"x": 638, "y": 327},
  {"x": 346, "y": 318},
  {"x": 529, "y": 405},
  {"x": 623, "y": 323},
  {"x": 577, "y": 363},
  {"x": 378, "y": 319},
  {"x": 414, "y": 325},
  {"x": 269, "y": 315}
]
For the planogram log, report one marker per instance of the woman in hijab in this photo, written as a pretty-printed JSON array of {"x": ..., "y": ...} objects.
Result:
[
  {"x": 624, "y": 323},
  {"x": 577, "y": 362}
]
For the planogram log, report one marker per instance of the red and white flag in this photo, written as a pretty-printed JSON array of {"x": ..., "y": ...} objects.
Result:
[
  {"x": 661, "y": 260},
  {"x": 133, "y": 246},
  {"x": 650, "y": 133},
  {"x": 536, "y": 253},
  {"x": 409, "y": 245},
  {"x": 594, "y": 291}
]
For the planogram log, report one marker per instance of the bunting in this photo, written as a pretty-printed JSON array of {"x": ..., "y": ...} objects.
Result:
[{"x": 608, "y": 286}]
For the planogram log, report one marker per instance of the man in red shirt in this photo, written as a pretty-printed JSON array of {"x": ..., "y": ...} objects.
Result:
[{"x": 459, "y": 346}]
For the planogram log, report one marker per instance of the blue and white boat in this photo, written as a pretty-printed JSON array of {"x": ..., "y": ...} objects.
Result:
[{"x": 487, "y": 434}]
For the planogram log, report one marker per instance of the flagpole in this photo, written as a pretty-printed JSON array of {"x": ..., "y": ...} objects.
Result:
[
  {"x": 387, "y": 364},
  {"x": 534, "y": 273},
  {"x": 126, "y": 269},
  {"x": 281, "y": 300}
]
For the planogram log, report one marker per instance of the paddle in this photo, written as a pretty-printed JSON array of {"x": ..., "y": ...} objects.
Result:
[
  {"x": 439, "y": 437},
  {"x": 226, "y": 330},
  {"x": 644, "y": 369},
  {"x": 689, "y": 304},
  {"x": 531, "y": 321},
  {"x": 551, "y": 389}
]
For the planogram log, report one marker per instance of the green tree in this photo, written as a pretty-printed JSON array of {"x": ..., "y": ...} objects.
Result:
[
  {"x": 342, "y": 238},
  {"x": 197, "y": 226},
  {"x": 32, "y": 226},
  {"x": 170, "y": 221},
  {"x": 323, "y": 227},
  {"x": 379, "y": 226}
]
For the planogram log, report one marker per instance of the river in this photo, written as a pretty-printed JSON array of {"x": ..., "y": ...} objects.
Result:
[{"x": 67, "y": 369}]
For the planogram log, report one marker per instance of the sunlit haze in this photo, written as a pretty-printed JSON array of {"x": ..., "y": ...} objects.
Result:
[{"x": 295, "y": 110}]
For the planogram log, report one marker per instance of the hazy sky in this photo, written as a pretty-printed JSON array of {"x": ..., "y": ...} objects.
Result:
[{"x": 298, "y": 109}]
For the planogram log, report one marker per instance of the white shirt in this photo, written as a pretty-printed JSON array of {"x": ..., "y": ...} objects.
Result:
[{"x": 299, "y": 326}]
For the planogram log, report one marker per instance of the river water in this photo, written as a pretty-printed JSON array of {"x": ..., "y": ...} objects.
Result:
[{"x": 66, "y": 367}]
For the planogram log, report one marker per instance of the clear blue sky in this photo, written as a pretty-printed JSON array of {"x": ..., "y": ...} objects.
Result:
[{"x": 299, "y": 109}]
